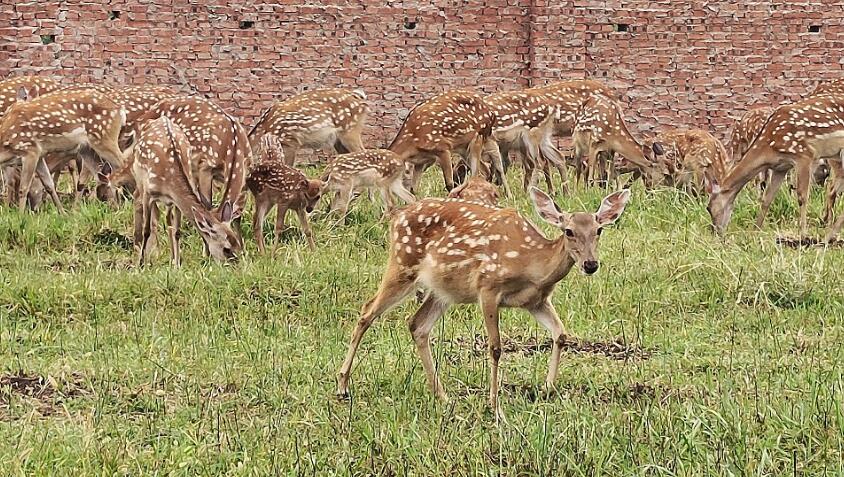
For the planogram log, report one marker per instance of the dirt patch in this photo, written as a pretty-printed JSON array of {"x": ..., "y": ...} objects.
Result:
[
  {"x": 43, "y": 394},
  {"x": 618, "y": 393},
  {"x": 616, "y": 349},
  {"x": 111, "y": 238},
  {"x": 806, "y": 242}
]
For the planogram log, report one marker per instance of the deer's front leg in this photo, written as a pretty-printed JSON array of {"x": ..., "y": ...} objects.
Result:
[
  {"x": 444, "y": 161},
  {"x": 804, "y": 181},
  {"x": 774, "y": 184},
  {"x": 261, "y": 208},
  {"x": 47, "y": 181},
  {"x": 281, "y": 212},
  {"x": 174, "y": 226},
  {"x": 306, "y": 228},
  {"x": 28, "y": 165},
  {"x": 489, "y": 307},
  {"x": 547, "y": 316}
]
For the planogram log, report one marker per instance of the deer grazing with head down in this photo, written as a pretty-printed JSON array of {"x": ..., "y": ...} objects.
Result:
[
  {"x": 691, "y": 159},
  {"x": 477, "y": 189},
  {"x": 600, "y": 129},
  {"x": 274, "y": 183},
  {"x": 371, "y": 169},
  {"x": 525, "y": 123},
  {"x": 323, "y": 118},
  {"x": 795, "y": 135},
  {"x": 162, "y": 172},
  {"x": 58, "y": 122},
  {"x": 465, "y": 252},
  {"x": 456, "y": 121}
]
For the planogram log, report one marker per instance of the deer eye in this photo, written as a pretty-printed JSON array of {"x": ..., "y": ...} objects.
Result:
[
  {"x": 598, "y": 232},
  {"x": 569, "y": 233}
]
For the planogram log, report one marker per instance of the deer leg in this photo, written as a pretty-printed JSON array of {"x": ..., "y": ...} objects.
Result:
[
  {"x": 421, "y": 324},
  {"x": 138, "y": 222},
  {"x": 395, "y": 286},
  {"x": 547, "y": 317},
  {"x": 306, "y": 228},
  {"x": 111, "y": 153},
  {"x": 146, "y": 224},
  {"x": 491, "y": 147},
  {"x": 834, "y": 187},
  {"x": 261, "y": 208},
  {"x": 206, "y": 183},
  {"x": 174, "y": 225},
  {"x": 444, "y": 161},
  {"x": 398, "y": 189},
  {"x": 804, "y": 182},
  {"x": 281, "y": 213},
  {"x": 387, "y": 198},
  {"x": 350, "y": 141},
  {"x": 47, "y": 180},
  {"x": 289, "y": 153},
  {"x": 777, "y": 178},
  {"x": 28, "y": 166},
  {"x": 489, "y": 307}
]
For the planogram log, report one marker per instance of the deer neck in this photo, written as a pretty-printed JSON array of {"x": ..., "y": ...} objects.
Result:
[
  {"x": 553, "y": 260},
  {"x": 745, "y": 169},
  {"x": 632, "y": 150}
]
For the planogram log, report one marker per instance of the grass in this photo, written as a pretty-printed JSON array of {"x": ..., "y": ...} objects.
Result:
[{"x": 230, "y": 370}]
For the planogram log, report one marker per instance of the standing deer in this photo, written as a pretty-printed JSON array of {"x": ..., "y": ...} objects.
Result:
[
  {"x": 464, "y": 252},
  {"x": 58, "y": 122},
  {"x": 795, "y": 135},
  {"x": 315, "y": 119},
  {"x": 371, "y": 169},
  {"x": 525, "y": 122},
  {"x": 600, "y": 128},
  {"x": 694, "y": 158},
  {"x": 161, "y": 168},
  {"x": 458, "y": 121},
  {"x": 221, "y": 149},
  {"x": 274, "y": 183}
]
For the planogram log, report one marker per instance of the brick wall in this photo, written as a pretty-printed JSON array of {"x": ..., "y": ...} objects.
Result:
[{"x": 679, "y": 63}]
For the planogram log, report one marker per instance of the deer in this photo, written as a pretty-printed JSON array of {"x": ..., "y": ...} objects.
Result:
[
  {"x": 221, "y": 148},
  {"x": 465, "y": 252},
  {"x": 161, "y": 167},
  {"x": 600, "y": 128},
  {"x": 370, "y": 169},
  {"x": 477, "y": 189},
  {"x": 835, "y": 86},
  {"x": 455, "y": 121},
  {"x": 795, "y": 135},
  {"x": 322, "y": 118},
  {"x": 692, "y": 158},
  {"x": 58, "y": 122},
  {"x": 14, "y": 89},
  {"x": 274, "y": 183},
  {"x": 525, "y": 122}
]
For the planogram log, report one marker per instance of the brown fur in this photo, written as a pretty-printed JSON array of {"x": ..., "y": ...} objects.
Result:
[{"x": 371, "y": 169}]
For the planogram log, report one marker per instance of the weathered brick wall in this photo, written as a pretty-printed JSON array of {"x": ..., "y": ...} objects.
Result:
[{"x": 679, "y": 63}]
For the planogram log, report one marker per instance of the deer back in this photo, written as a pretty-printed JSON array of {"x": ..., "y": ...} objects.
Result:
[
  {"x": 835, "y": 86},
  {"x": 378, "y": 163},
  {"x": 443, "y": 123},
  {"x": 813, "y": 126},
  {"x": 567, "y": 97},
  {"x": 745, "y": 130},
  {"x": 33, "y": 86},
  {"x": 518, "y": 109},
  {"x": 337, "y": 108}
]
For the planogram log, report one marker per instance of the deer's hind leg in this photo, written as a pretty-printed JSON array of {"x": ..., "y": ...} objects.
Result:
[{"x": 421, "y": 324}]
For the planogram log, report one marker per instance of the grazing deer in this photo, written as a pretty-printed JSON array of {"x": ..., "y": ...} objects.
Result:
[
  {"x": 477, "y": 189},
  {"x": 456, "y": 121},
  {"x": 568, "y": 97},
  {"x": 371, "y": 169},
  {"x": 162, "y": 172},
  {"x": 600, "y": 128},
  {"x": 525, "y": 122},
  {"x": 315, "y": 119},
  {"x": 274, "y": 183},
  {"x": 221, "y": 149},
  {"x": 795, "y": 135},
  {"x": 58, "y": 122},
  {"x": 464, "y": 252},
  {"x": 694, "y": 158}
]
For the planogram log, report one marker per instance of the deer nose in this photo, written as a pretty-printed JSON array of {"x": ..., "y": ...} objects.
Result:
[{"x": 590, "y": 267}]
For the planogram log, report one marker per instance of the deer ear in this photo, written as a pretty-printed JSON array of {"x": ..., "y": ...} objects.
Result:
[
  {"x": 546, "y": 208},
  {"x": 612, "y": 207},
  {"x": 23, "y": 94},
  {"x": 658, "y": 149},
  {"x": 201, "y": 222},
  {"x": 226, "y": 211}
]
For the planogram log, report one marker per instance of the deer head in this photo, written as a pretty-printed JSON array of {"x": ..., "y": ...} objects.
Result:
[{"x": 581, "y": 230}]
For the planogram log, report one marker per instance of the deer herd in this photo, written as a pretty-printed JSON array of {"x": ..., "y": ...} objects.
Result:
[{"x": 179, "y": 151}]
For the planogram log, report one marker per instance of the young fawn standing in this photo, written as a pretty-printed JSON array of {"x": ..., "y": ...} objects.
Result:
[
  {"x": 274, "y": 183},
  {"x": 374, "y": 168},
  {"x": 161, "y": 168},
  {"x": 464, "y": 252}
]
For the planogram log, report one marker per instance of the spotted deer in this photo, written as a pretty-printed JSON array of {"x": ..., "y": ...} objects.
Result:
[
  {"x": 58, "y": 122},
  {"x": 465, "y": 252},
  {"x": 274, "y": 183},
  {"x": 221, "y": 148},
  {"x": 691, "y": 158},
  {"x": 745, "y": 129},
  {"x": 162, "y": 173},
  {"x": 795, "y": 135},
  {"x": 27, "y": 87},
  {"x": 600, "y": 128},
  {"x": 835, "y": 86},
  {"x": 371, "y": 169},
  {"x": 568, "y": 97},
  {"x": 525, "y": 123},
  {"x": 316, "y": 119},
  {"x": 456, "y": 121},
  {"x": 477, "y": 189}
]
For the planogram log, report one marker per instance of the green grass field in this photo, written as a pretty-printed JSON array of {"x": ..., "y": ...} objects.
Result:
[{"x": 695, "y": 355}]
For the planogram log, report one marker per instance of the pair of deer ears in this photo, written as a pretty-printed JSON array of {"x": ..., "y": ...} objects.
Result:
[
  {"x": 658, "y": 148},
  {"x": 610, "y": 210}
]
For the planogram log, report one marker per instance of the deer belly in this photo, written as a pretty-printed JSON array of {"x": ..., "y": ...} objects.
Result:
[
  {"x": 65, "y": 142},
  {"x": 828, "y": 145},
  {"x": 452, "y": 287},
  {"x": 319, "y": 137}
]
